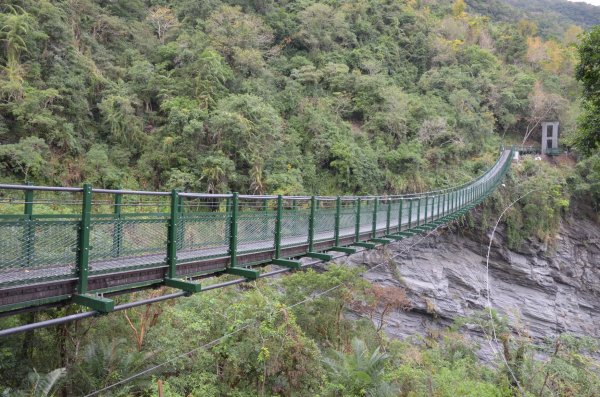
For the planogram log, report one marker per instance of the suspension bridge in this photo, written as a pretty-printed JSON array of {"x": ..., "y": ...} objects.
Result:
[{"x": 61, "y": 245}]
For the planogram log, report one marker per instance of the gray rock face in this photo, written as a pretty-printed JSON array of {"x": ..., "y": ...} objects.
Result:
[{"x": 546, "y": 290}]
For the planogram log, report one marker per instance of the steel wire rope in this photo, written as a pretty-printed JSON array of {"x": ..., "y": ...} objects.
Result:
[{"x": 488, "y": 290}]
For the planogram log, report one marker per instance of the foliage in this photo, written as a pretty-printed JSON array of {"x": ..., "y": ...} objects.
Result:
[
  {"x": 293, "y": 97},
  {"x": 286, "y": 337}
]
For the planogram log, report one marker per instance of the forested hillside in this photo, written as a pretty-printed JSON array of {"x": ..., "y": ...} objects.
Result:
[
  {"x": 553, "y": 17},
  {"x": 264, "y": 96},
  {"x": 292, "y": 97}
]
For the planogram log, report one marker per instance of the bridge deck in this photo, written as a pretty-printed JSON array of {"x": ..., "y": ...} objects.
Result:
[{"x": 38, "y": 257}]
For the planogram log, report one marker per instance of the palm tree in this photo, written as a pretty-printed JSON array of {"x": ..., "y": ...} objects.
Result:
[
  {"x": 359, "y": 372},
  {"x": 42, "y": 384}
]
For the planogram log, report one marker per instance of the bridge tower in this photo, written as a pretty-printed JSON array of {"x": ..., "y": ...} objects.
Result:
[{"x": 550, "y": 137}]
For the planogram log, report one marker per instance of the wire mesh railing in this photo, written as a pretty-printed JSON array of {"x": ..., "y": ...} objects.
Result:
[{"x": 64, "y": 233}]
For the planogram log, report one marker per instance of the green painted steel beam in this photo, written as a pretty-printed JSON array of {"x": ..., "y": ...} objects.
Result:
[
  {"x": 406, "y": 233},
  {"x": 365, "y": 245},
  {"x": 287, "y": 263},
  {"x": 394, "y": 237},
  {"x": 336, "y": 228},
  {"x": 28, "y": 246},
  {"x": 383, "y": 241},
  {"x": 311, "y": 224},
  {"x": 83, "y": 244},
  {"x": 117, "y": 243},
  {"x": 278, "y": 226},
  {"x": 375, "y": 209},
  {"x": 172, "y": 237},
  {"x": 345, "y": 250},
  {"x": 33, "y": 303},
  {"x": 241, "y": 271},
  {"x": 103, "y": 305},
  {"x": 183, "y": 285},
  {"x": 233, "y": 231},
  {"x": 319, "y": 255},
  {"x": 357, "y": 224}
]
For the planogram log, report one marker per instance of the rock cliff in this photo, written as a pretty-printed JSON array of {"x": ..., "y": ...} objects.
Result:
[{"x": 546, "y": 288}]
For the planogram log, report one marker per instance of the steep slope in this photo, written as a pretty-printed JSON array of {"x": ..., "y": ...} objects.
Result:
[
  {"x": 553, "y": 17},
  {"x": 543, "y": 290}
]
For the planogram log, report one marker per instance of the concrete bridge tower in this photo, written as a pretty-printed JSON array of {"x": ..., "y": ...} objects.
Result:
[{"x": 549, "y": 137}]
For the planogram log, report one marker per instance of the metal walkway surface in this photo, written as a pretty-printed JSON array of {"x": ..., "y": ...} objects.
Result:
[{"x": 77, "y": 244}]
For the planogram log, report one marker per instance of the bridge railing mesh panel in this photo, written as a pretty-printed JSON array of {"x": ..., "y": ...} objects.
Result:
[
  {"x": 122, "y": 243},
  {"x": 366, "y": 216},
  {"x": 204, "y": 228},
  {"x": 294, "y": 222},
  {"x": 347, "y": 218},
  {"x": 395, "y": 206},
  {"x": 37, "y": 247},
  {"x": 256, "y": 225},
  {"x": 325, "y": 220},
  {"x": 130, "y": 233}
]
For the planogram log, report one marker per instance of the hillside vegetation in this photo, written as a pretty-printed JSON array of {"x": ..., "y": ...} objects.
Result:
[
  {"x": 553, "y": 17},
  {"x": 331, "y": 97}
]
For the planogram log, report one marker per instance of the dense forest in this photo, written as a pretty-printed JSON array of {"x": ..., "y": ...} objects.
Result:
[
  {"x": 553, "y": 17},
  {"x": 291, "y": 97},
  {"x": 286, "y": 97}
]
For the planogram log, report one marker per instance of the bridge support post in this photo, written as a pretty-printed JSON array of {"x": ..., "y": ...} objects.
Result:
[
  {"x": 233, "y": 240},
  {"x": 338, "y": 209},
  {"x": 357, "y": 226},
  {"x": 336, "y": 246},
  {"x": 375, "y": 209},
  {"x": 278, "y": 226},
  {"x": 400, "y": 215},
  {"x": 83, "y": 259},
  {"x": 172, "y": 244},
  {"x": 410, "y": 207},
  {"x": 311, "y": 224},
  {"x": 277, "y": 260},
  {"x": 117, "y": 242},
  {"x": 28, "y": 247},
  {"x": 311, "y": 234},
  {"x": 389, "y": 215}
]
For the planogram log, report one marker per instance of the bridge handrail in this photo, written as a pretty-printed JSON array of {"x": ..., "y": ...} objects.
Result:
[{"x": 245, "y": 196}]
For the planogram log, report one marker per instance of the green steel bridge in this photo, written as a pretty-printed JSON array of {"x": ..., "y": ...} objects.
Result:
[{"x": 63, "y": 245}]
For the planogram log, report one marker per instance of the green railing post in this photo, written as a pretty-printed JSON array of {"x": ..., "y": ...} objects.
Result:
[
  {"x": 338, "y": 209},
  {"x": 311, "y": 224},
  {"x": 180, "y": 223},
  {"x": 28, "y": 247},
  {"x": 233, "y": 230},
  {"x": 83, "y": 258},
  {"x": 426, "y": 208},
  {"x": 117, "y": 243},
  {"x": 375, "y": 209},
  {"x": 389, "y": 215},
  {"x": 83, "y": 248},
  {"x": 439, "y": 200},
  {"x": 419, "y": 211},
  {"x": 172, "y": 236},
  {"x": 278, "y": 226},
  {"x": 400, "y": 215},
  {"x": 410, "y": 207},
  {"x": 357, "y": 229}
]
